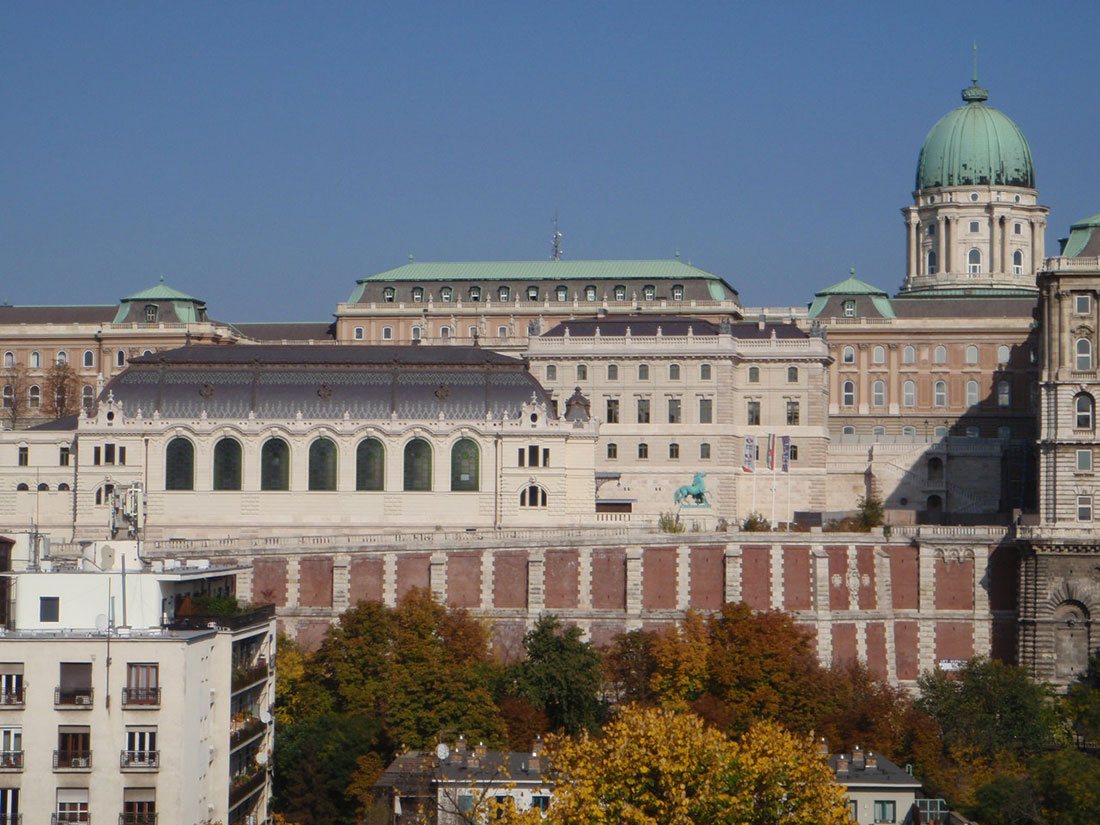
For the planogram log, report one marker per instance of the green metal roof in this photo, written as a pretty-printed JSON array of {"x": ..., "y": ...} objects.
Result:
[
  {"x": 541, "y": 271},
  {"x": 1079, "y": 235},
  {"x": 975, "y": 144},
  {"x": 852, "y": 286},
  {"x": 161, "y": 292}
]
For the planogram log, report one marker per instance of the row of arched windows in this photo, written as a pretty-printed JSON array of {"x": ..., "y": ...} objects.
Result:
[
  {"x": 939, "y": 354},
  {"x": 532, "y": 293},
  {"x": 879, "y": 396},
  {"x": 974, "y": 262},
  {"x": 42, "y": 487},
  {"x": 34, "y": 360},
  {"x": 370, "y": 464}
]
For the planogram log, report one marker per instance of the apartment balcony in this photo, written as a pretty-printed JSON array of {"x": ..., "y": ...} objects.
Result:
[
  {"x": 245, "y": 677},
  {"x": 15, "y": 700},
  {"x": 142, "y": 697},
  {"x": 70, "y": 819},
  {"x": 76, "y": 698},
  {"x": 135, "y": 819},
  {"x": 242, "y": 787},
  {"x": 11, "y": 819},
  {"x": 72, "y": 761},
  {"x": 10, "y": 761},
  {"x": 245, "y": 731},
  {"x": 139, "y": 761}
]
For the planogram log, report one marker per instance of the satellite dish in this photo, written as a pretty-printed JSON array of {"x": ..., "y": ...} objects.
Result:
[
  {"x": 442, "y": 751},
  {"x": 101, "y": 623},
  {"x": 265, "y": 717},
  {"x": 261, "y": 758}
]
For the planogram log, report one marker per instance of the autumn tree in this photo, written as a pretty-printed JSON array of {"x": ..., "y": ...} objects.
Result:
[
  {"x": 628, "y": 667},
  {"x": 61, "y": 390},
  {"x": 14, "y": 389},
  {"x": 561, "y": 676},
  {"x": 653, "y": 766}
]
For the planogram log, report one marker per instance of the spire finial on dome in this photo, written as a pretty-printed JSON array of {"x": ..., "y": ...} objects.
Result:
[{"x": 975, "y": 93}]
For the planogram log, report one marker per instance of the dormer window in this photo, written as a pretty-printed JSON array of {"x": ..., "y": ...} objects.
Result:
[
  {"x": 849, "y": 308},
  {"x": 649, "y": 292},
  {"x": 502, "y": 293},
  {"x": 590, "y": 293},
  {"x": 620, "y": 292},
  {"x": 677, "y": 292},
  {"x": 475, "y": 294},
  {"x": 532, "y": 293},
  {"x": 151, "y": 313},
  {"x": 418, "y": 294},
  {"x": 562, "y": 293},
  {"x": 446, "y": 295},
  {"x": 388, "y": 294}
]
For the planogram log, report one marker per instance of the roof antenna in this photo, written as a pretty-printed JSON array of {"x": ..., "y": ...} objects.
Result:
[
  {"x": 555, "y": 244},
  {"x": 975, "y": 62}
]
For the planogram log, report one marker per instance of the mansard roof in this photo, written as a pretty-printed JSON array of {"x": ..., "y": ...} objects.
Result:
[{"x": 326, "y": 382}]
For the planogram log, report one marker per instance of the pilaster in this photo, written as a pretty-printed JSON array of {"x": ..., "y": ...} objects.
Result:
[
  {"x": 486, "y": 579},
  {"x": 584, "y": 578},
  {"x": 536, "y": 585},
  {"x": 683, "y": 577},
  {"x": 437, "y": 576},
  {"x": 389, "y": 579},
  {"x": 341, "y": 582},
  {"x": 926, "y": 625},
  {"x": 775, "y": 557},
  {"x": 821, "y": 604},
  {"x": 292, "y": 580},
  {"x": 733, "y": 573},
  {"x": 983, "y": 619},
  {"x": 633, "y": 581}
]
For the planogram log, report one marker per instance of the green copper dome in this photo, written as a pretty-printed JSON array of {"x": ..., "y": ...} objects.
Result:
[{"x": 975, "y": 144}]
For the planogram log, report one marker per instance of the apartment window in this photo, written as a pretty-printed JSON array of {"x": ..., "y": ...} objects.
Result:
[
  {"x": 139, "y": 806},
  {"x": 848, "y": 394},
  {"x": 142, "y": 684},
  {"x": 612, "y": 372},
  {"x": 620, "y": 292},
  {"x": 792, "y": 375},
  {"x": 643, "y": 372},
  {"x": 612, "y": 451},
  {"x": 793, "y": 413},
  {"x": 849, "y": 308},
  {"x": 704, "y": 451},
  {"x": 848, "y": 355},
  {"x": 673, "y": 372},
  {"x": 939, "y": 355},
  {"x": 72, "y": 805},
  {"x": 677, "y": 292},
  {"x": 1083, "y": 406},
  {"x": 562, "y": 294},
  {"x": 674, "y": 451},
  {"x": 706, "y": 410},
  {"x": 753, "y": 413},
  {"x": 971, "y": 355},
  {"x": 24, "y": 456},
  {"x": 532, "y": 293},
  {"x": 675, "y": 407},
  {"x": 582, "y": 372},
  {"x": 878, "y": 355},
  {"x": 1084, "y": 461},
  {"x": 1004, "y": 394},
  {"x": 49, "y": 608},
  {"x": 885, "y": 810},
  {"x": 503, "y": 293},
  {"x": 590, "y": 293},
  {"x": 388, "y": 294},
  {"x": 1083, "y": 350},
  {"x": 1082, "y": 304},
  {"x": 878, "y": 394},
  {"x": 754, "y": 375},
  {"x": 643, "y": 450},
  {"x": 63, "y": 456},
  {"x": 612, "y": 410},
  {"x": 1084, "y": 508},
  {"x": 11, "y": 756},
  {"x": 643, "y": 410},
  {"x": 971, "y": 393},
  {"x": 76, "y": 684},
  {"x": 446, "y": 294},
  {"x": 940, "y": 394},
  {"x": 909, "y": 355},
  {"x": 141, "y": 748}
]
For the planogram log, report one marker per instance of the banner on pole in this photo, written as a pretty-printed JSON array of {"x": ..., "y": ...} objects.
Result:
[
  {"x": 748, "y": 463},
  {"x": 771, "y": 452},
  {"x": 786, "y": 453}
]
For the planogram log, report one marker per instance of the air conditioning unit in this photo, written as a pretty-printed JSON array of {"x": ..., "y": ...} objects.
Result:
[
  {"x": 81, "y": 699},
  {"x": 80, "y": 762}
]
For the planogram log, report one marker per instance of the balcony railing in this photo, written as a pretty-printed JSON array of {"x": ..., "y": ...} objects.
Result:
[
  {"x": 11, "y": 819},
  {"x": 139, "y": 760},
  {"x": 70, "y": 819},
  {"x": 238, "y": 621},
  {"x": 245, "y": 731},
  {"x": 14, "y": 698},
  {"x": 81, "y": 698},
  {"x": 72, "y": 761},
  {"x": 141, "y": 697},
  {"x": 243, "y": 786},
  {"x": 137, "y": 819},
  {"x": 10, "y": 761},
  {"x": 245, "y": 676}
]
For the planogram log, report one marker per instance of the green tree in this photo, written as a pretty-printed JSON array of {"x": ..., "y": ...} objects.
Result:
[
  {"x": 1082, "y": 704},
  {"x": 628, "y": 666},
  {"x": 561, "y": 676}
]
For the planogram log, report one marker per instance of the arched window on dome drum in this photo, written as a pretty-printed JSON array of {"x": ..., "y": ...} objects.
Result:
[
  {"x": 418, "y": 465},
  {"x": 322, "y": 464},
  {"x": 933, "y": 261},
  {"x": 1083, "y": 351},
  {"x": 532, "y": 496},
  {"x": 227, "y": 464},
  {"x": 275, "y": 465},
  {"x": 1083, "y": 408},
  {"x": 465, "y": 458},
  {"x": 179, "y": 465},
  {"x": 974, "y": 261},
  {"x": 370, "y": 465},
  {"x": 1017, "y": 262}
]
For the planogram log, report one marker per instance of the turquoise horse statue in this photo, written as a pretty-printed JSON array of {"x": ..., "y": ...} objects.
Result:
[{"x": 696, "y": 491}]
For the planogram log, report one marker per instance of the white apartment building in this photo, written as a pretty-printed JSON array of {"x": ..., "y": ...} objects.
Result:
[{"x": 130, "y": 691}]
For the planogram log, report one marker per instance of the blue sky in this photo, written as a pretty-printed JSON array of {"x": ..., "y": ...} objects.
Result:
[{"x": 265, "y": 155}]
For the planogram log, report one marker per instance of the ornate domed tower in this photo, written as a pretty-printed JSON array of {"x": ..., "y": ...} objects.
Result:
[{"x": 975, "y": 223}]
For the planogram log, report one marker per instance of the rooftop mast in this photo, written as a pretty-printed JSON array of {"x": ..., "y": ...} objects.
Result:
[{"x": 555, "y": 243}]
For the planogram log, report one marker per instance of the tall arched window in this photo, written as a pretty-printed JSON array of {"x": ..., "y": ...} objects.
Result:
[
  {"x": 939, "y": 355},
  {"x": 971, "y": 354},
  {"x": 1083, "y": 350},
  {"x": 120, "y": 358},
  {"x": 848, "y": 394},
  {"x": 1004, "y": 394},
  {"x": 974, "y": 261},
  {"x": 34, "y": 397},
  {"x": 9, "y": 360},
  {"x": 418, "y": 465},
  {"x": 909, "y": 355},
  {"x": 971, "y": 393},
  {"x": 370, "y": 465},
  {"x": 179, "y": 465},
  {"x": 909, "y": 394},
  {"x": 878, "y": 355},
  {"x": 1083, "y": 406},
  {"x": 878, "y": 394},
  {"x": 9, "y": 396},
  {"x": 933, "y": 263},
  {"x": 275, "y": 465},
  {"x": 227, "y": 464},
  {"x": 322, "y": 464},
  {"x": 36, "y": 360},
  {"x": 1002, "y": 354},
  {"x": 935, "y": 469},
  {"x": 465, "y": 458},
  {"x": 62, "y": 358},
  {"x": 89, "y": 358},
  {"x": 1017, "y": 262},
  {"x": 848, "y": 355},
  {"x": 612, "y": 372},
  {"x": 940, "y": 394},
  {"x": 87, "y": 397}
]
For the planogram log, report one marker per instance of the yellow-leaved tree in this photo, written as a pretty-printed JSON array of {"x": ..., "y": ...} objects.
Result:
[{"x": 658, "y": 766}]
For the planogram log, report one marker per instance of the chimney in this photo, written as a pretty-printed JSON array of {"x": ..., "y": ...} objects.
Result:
[
  {"x": 823, "y": 747},
  {"x": 857, "y": 759},
  {"x": 842, "y": 763},
  {"x": 481, "y": 750},
  {"x": 872, "y": 760},
  {"x": 460, "y": 744},
  {"x": 534, "y": 764},
  {"x": 536, "y": 748}
]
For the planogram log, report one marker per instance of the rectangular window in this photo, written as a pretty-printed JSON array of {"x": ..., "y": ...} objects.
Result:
[
  {"x": 522, "y": 457},
  {"x": 142, "y": 684},
  {"x": 11, "y": 683},
  {"x": 121, "y": 455},
  {"x": 24, "y": 456},
  {"x": 49, "y": 608},
  {"x": 706, "y": 410},
  {"x": 141, "y": 748},
  {"x": 533, "y": 456},
  {"x": 885, "y": 810},
  {"x": 1084, "y": 508},
  {"x": 753, "y": 412},
  {"x": 96, "y": 456},
  {"x": 674, "y": 407},
  {"x": 108, "y": 453},
  {"x": 63, "y": 457},
  {"x": 792, "y": 413},
  {"x": 545, "y": 456},
  {"x": 1084, "y": 461},
  {"x": 643, "y": 410},
  {"x": 612, "y": 410},
  {"x": 1083, "y": 304}
]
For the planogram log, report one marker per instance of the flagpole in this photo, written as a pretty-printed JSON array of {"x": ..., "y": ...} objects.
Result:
[{"x": 771, "y": 463}]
